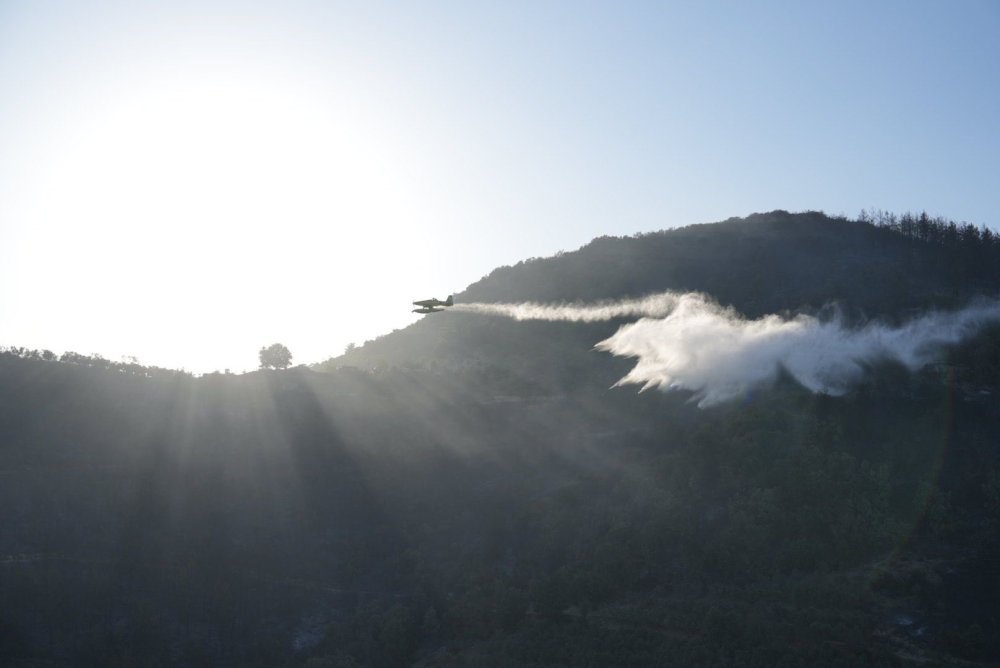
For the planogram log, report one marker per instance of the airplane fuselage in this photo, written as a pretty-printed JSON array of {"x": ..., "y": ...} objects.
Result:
[{"x": 431, "y": 303}]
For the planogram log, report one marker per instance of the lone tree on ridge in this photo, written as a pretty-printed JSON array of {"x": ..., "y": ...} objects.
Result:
[{"x": 275, "y": 356}]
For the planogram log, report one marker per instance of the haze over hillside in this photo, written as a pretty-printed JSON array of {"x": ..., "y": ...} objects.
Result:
[{"x": 472, "y": 490}]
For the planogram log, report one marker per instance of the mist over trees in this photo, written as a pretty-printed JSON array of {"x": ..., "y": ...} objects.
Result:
[{"x": 468, "y": 491}]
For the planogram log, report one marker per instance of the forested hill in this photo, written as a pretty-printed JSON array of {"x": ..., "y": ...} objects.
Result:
[
  {"x": 879, "y": 266},
  {"x": 766, "y": 263},
  {"x": 469, "y": 491}
]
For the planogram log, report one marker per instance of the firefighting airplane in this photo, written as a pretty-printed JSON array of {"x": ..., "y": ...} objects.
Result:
[{"x": 432, "y": 305}]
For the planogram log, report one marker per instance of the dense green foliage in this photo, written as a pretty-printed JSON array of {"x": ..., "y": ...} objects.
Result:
[{"x": 469, "y": 492}]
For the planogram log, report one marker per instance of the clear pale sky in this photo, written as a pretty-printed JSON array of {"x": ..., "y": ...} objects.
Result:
[{"x": 189, "y": 181}]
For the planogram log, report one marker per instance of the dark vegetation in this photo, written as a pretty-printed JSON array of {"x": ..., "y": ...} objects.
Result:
[
  {"x": 275, "y": 356},
  {"x": 468, "y": 491}
]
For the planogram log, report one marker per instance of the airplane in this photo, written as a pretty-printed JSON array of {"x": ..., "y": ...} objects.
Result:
[{"x": 432, "y": 305}]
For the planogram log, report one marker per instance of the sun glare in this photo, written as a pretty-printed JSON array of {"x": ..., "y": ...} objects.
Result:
[{"x": 195, "y": 215}]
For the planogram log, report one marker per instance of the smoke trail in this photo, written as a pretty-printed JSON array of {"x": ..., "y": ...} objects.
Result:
[
  {"x": 687, "y": 341},
  {"x": 657, "y": 305},
  {"x": 718, "y": 355}
]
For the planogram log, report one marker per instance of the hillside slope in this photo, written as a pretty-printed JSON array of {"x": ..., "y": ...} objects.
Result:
[
  {"x": 469, "y": 491},
  {"x": 776, "y": 262}
]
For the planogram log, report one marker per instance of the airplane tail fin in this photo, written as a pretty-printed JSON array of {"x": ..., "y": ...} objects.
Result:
[{"x": 450, "y": 301}]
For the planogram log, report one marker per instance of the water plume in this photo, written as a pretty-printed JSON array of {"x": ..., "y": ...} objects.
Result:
[
  {"x": 689, "y": 342},
  {"x": 719, "y": 355},
  {"x": 657, "y": 305}
]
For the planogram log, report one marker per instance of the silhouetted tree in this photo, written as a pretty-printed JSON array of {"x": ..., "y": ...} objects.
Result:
[{"x": 275, "y": 356}]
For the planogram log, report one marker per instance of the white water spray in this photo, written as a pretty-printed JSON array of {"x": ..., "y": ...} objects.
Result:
[
  {"x": 687, "y": 341},
  {"x": 657, "y": 305}
]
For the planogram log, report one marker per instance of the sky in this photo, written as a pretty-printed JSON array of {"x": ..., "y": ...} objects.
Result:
[{"x": 187, "y": 182}]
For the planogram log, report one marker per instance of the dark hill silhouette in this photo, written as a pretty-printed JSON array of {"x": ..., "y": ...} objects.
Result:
[
  {"x": 468, "y": 491},
  {"x": 775, "y": 262},
  {"x": 764, "y": 263}
]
